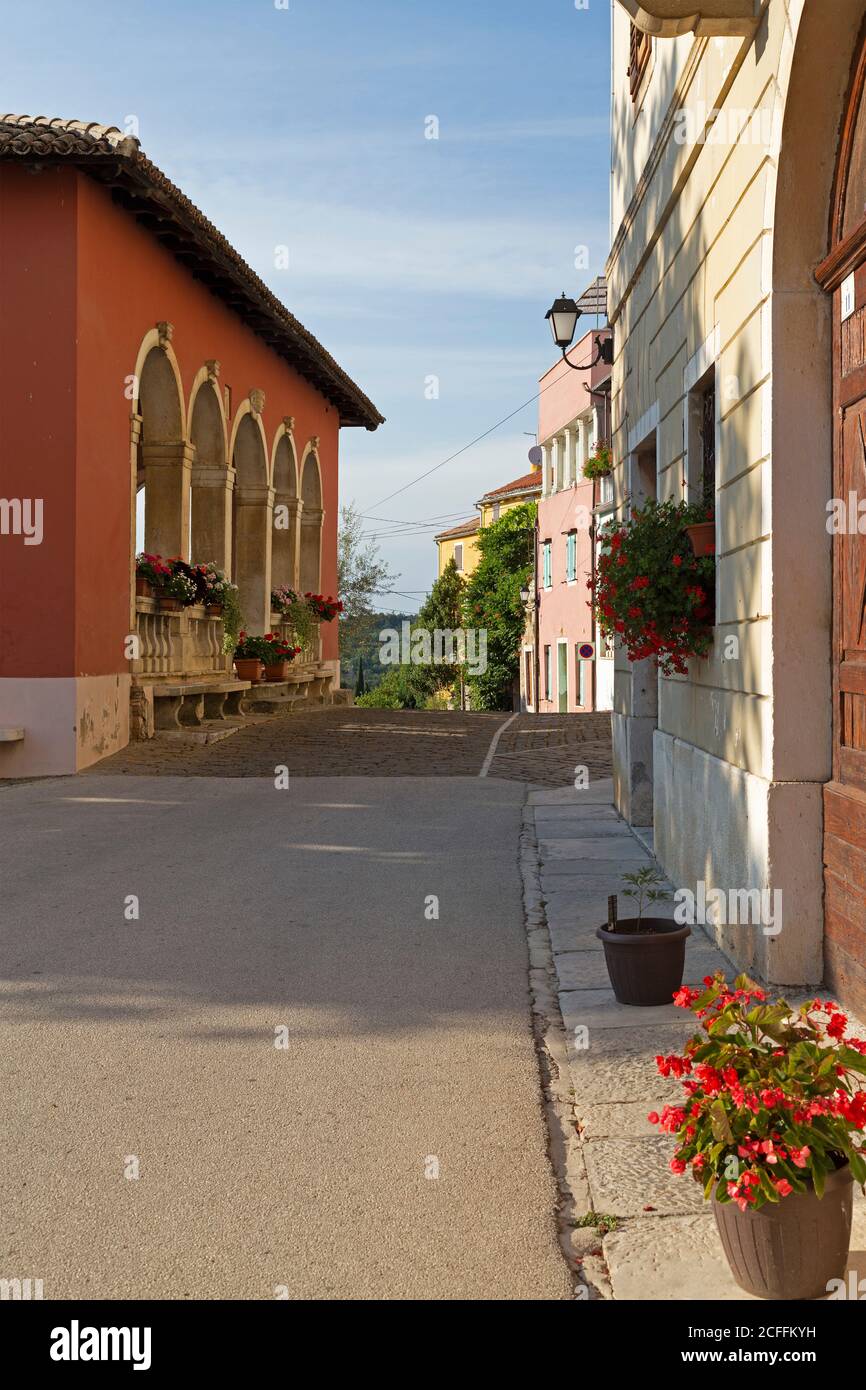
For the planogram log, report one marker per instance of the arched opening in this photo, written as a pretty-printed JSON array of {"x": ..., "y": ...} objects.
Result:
[
  {"x": 210, "y": 505},
  {"x": 311, "y": 525},
  {"x": 163, "y": 457},
  {"x": 284, "y": 560},
  {"x": 252, "y": 522},
  {"x": 814, "y": 76}
]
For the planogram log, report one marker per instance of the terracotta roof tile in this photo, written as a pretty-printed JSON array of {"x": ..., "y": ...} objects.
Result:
[
  {"x": 466, "y": 528},
  {"x": 144, "y": 190},
  {"x": 524, "y": 484}
]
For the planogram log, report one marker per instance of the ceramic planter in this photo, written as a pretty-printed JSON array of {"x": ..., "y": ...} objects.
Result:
[
  {"x": 793, "y": 1248},
  {"x": 646, "y": 966},
  {"x": 248, "y": 668},
  {"x": 143, "y": 587},
  {"x": 278, "y": 672},
  {"x": 703, "y": 537}
]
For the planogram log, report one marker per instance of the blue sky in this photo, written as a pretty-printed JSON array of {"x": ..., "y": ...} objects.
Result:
[{"x": 408, "y": 257}]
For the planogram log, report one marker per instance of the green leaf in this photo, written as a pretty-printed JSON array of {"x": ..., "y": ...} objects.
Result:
[{"x": 722, "y": 1131}]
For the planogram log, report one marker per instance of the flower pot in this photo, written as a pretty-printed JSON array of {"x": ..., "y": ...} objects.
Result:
[
  {"x": 703, "y": 537},
  {"x": 248, "y": 668},
  {"x": 278, "y": 672},
  {"x": 646, "y": 966},
  {"x": 143, "y": 587},
  {"x": 793, "y": 1248},
  {"x": 214, "y": 610},
  {"x": 169, "y": 605}
]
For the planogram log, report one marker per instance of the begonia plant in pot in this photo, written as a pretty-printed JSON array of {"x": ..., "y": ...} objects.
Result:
[
  {"x": 278, "y": 655},
  {"x": 644, "y": 955},
  {"x": 772, "y": 1127},
  {"x": 651, "y": 591},
  {"x": 250, "y": 655}
]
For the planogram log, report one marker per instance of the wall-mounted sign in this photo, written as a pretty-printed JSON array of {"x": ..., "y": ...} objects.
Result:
[
  {"x": 849, "y": 297},
  {"x": 586, "y": 651}
]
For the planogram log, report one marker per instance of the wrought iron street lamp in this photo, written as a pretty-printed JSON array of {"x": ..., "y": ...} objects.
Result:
[{"x": 562, "y": 317}]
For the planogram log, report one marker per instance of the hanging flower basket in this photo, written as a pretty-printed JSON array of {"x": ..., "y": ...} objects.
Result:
[
  {"x": 650, "y": 589},
  {"x": 599, "y": 465}
]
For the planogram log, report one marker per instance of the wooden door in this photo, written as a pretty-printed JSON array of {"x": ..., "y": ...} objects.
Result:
[{"x": 843, "y": 275}]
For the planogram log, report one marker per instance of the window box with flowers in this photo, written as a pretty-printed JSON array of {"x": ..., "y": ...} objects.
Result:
[
  {"x": 324, "y": 610},
  {"x": 599, "y": 464},
  {"x": 772, "y": 1127},
  {"x": 651, "y": 590},
  {"x": 179, "y": 588}
]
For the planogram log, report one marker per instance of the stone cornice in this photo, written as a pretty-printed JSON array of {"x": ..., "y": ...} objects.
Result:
[{"x": 667, "y": 19}]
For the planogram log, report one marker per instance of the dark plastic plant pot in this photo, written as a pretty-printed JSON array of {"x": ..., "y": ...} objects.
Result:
[
  {"x": 793, "y": 1248},
  {"x": 646, "y": 966}
]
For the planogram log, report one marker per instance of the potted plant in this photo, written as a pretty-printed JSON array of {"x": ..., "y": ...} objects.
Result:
[
  {"x": 178, "y": 588},
  {"x": 250, "y": 656},
  {"x": 700, "y": 523},
  {"x": 598, "y": 465},
  {"x": 150, "y": 570},
  {"x": 772, "y": 1126},
  {"x": 651, "y": 591},
  {"x": 645, "y": 956},
  {"x": 277, "y": 656},
  {"x": 323, "y": 609}
]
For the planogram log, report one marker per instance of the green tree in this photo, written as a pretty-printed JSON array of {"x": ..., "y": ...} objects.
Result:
[
  {"x": 360, "y": 684},
  {"x": 362, "y": 575},
  {"x": 443, "y": 610},
  {"x": 402, "y": 687},
  {"x": 492, "y": 602}
]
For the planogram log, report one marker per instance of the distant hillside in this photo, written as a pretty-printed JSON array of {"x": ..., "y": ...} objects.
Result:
[{"x": 361, "y": 638}]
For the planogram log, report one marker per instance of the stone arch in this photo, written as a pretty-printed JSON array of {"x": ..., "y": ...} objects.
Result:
[
  {"x": 252, "y": 511},
  {"x": 163, "y": 455},
  {"x": 312, "y": 516},
  {"x": 287, "y": 508},
  {"x": 212, "y": 482},
  {"x": 813, "y": 76}
]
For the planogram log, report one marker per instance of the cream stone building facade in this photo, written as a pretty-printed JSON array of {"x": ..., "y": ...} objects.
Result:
[{"x": 735, "y": 294}]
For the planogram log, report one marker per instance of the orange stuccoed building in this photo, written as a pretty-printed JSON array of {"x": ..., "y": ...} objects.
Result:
[{"x": 142, "y": 361}]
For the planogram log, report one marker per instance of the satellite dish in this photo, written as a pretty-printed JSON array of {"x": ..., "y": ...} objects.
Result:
[{"x": 535, "y": 455}]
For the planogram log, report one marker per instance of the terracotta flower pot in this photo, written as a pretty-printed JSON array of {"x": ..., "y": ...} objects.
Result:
[
  {"x": 646, "y": 966},
  {"x": 703, "y": 537},
  {"x": 143, "y": 587},
  {"x": 793, "y": 1248},
  {"x": 168, "y": 604},
  {"x": 214, "y": 610},
  {"x": 249, "y": 668},
  {"x": 278, "y": 672}
]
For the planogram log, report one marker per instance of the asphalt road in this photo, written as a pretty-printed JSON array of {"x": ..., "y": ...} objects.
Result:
[{"x": 148, "y": 1044}]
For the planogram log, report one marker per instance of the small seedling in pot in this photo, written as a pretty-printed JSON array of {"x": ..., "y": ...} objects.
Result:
[{"x": 646, "y": 886}]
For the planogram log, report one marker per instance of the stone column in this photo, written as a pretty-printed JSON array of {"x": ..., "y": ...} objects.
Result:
[
  {"x": 254, "y": 511},
  {"x": 570, "y": 440},
  {"x": 545, "y": 470},
  {"x": 310, "y": 566},
  {"x": 212, "y": 486},
  {"x": 286, "y": 542},
  {"x": 167, "y": 474}
]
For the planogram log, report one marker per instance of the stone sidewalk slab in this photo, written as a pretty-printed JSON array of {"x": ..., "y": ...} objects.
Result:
[
  {"x": 632, "y": 1177},
  {"x": 618, "y": 848},
  {"x": 596, "y": 815},
  {"x": 598, "y": 793},
  {"x": 581, "y": 970},
  {"x": 598, "y": 1008}
]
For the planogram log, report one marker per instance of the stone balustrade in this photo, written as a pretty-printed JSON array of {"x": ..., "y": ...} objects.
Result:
[
  {"x": 311, "y": 654},
  {"x": 186, "y": 644}
]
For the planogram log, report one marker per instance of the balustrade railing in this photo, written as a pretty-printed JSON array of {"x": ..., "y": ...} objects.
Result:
[
  {"x": 184, "y": 644},
  {"x": 311, "y": 653}
]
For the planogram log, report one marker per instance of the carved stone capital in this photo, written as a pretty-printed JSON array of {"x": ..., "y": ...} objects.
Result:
[
  {"x": 166, "y": 333},
  {"x": 257, "y": 401},
  {"x": 213, "y": 369},
  {"x": 289, "y": 422}
]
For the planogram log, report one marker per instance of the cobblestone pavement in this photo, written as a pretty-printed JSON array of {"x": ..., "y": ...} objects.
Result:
[{"x": 543, "y": 750}]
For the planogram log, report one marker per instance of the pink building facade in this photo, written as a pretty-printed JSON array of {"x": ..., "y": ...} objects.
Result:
[{"x": 564, "y": 669}]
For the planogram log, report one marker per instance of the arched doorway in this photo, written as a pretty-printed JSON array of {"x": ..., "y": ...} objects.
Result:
[
  {"x": 252, "y": 521},
  {"x": 842, "y": 275},
  {"x": 310, "y": 576},
  {"x": 287, "y": 511},
  {"x": 212, "y": 483},
  {"x": 164, "y": 459}
]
